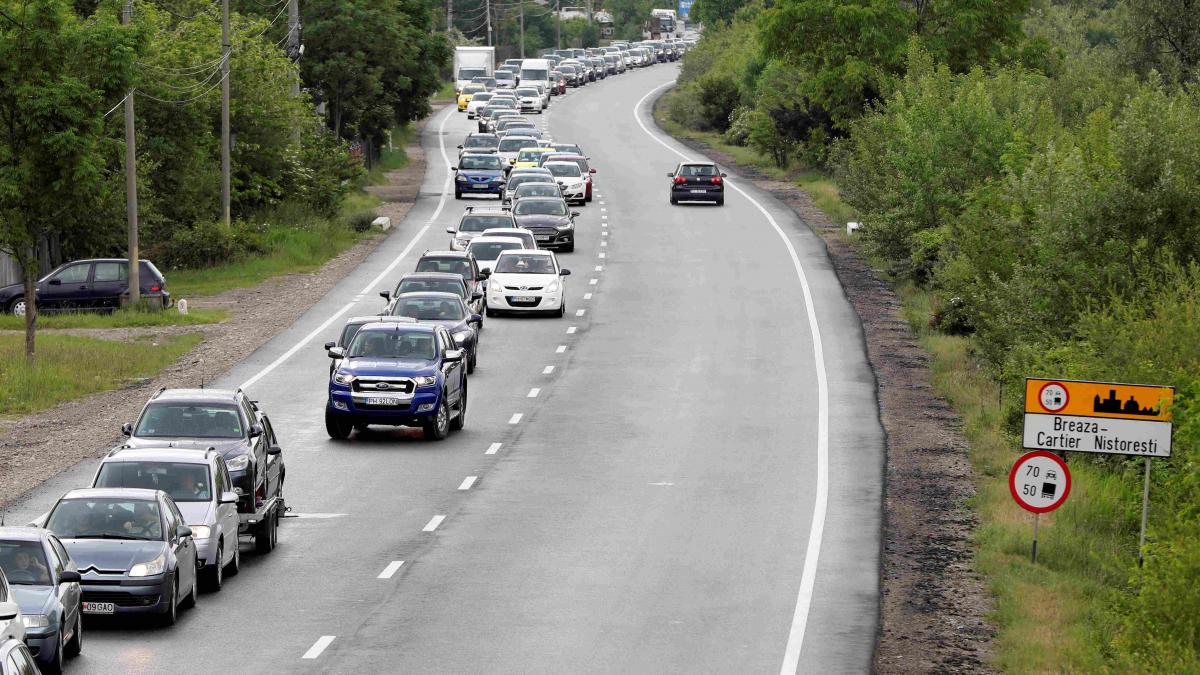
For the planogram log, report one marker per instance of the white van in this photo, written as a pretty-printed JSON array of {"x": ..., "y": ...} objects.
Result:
[{"x": 536, "y": 73}]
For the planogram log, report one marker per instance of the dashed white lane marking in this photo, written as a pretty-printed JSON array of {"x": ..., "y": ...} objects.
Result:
[
  {"x": 391, "y": 569},
  {"x": 601, "y": 203},
  {"x": 571, "y": 331},
  {"x": 561, "y": 349},
  {"x": 603, "y": 224},
  {"x": 603, "y": 217},
  {"x": 604, "y": 233},
  {"x": 587, "y": 296},
  {"x": 468, "y": 482},
  {"x": 318, "y": 646},
  {"x": 603, "y": 210},
  {"x": 816, "y": 531},
  {"x": 604, "y": 243},
  {"x": 433, "y": 523},
  {"x": 516, "y": 418},
  {"x": 547, "y": 370},
  {"x": 580, "y": 312},
  {"x": 602, "y": 256},
  {"x": 593, "y": 282},
  {"x": 493, "y": 448},
  {"x": 533, "y": 393},
  {"x": 599, "y": 268}
]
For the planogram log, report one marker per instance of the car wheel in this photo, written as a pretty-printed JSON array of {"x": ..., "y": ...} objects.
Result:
[
  {"x": 264, "y": 539},
  {"x": 674, "y": 200},
  {"x": 338, "y": 430},
  {"x": 17, "y": 306},
  {"x": 235, "y": 565},
  {"x": 460, "y": 420},
  {"x": 588, "y": 198},
  {"x": 720, "y": 201},
  {"x": 562, "y": 310},
  {"x": 458, "y": 194},
  {"x": 172, "y": 613},
  {"x": 75, "y": 646},
  {"x": 471, "y": 364},
  {"x": 488, "y": 311},
  {"x": 216, "y": 576},
  {"x": 55, "y": 664},
  {"x": 439, "y": 427},
  {"x": 569, "y": 248},
  {"x": 190, "y": 600}
]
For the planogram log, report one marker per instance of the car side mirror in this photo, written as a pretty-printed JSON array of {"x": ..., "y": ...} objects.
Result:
[
  {"x": 9, "y": 611},
  {"x": 454, "y": 168},
  {"x": 69, "y": 577},
  {"x": 564, "y": 273},
  {"x": 386, "y": 295},
  {"x": 256, "y": 430},
  {"x": 127, "y": 429},
  {"x": 183, "y": 531},
  {"x": 330, "y": 345},
  {"x": 460, "y": 147},
  {"x": 229, "y": 497},
  {"x": 274, "y": 450},
  {"x": 483, "y": 274},
  {"x": 337, "y": 352},
  {"x": 724, "y": 175},
  {"x": 591, "y": 171},
  {"x": 574, "y": 214},
  {"x": 475, "y": 319},
  {"x": 449, "y": 230},
  {"x": 452, "y": 355},
  {"x": 477, "y": 295},
  {"x": 670, "y": 175}
]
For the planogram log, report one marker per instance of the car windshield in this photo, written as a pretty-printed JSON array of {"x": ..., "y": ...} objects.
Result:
[
  {"x": 480, "y": 142},
  {"x": 185, "y": 482},
  {"x": 581, "y": 162},
  {"x": 529, "y": 155},
  {"x": 468, "y": 73},
  {"x": 190, "y": 420},
  {"x": 533, "y": 75},
  {"x": 479, "y": 223},
  {"x": 348, "y": 332},
  {"x": 106, "y": 518},
  {"x": 393, "y": 344},
  {"x": 454, "y": 286},
  {"x": 525, "y": 264},
  {"x": 473, "y": 89},
  {"x": 528, "y": 91},
  {"x": 24, "y": 563},
  {"x": 542, "y": 207},
  {"x": 490, "y": 250},
  {"x": 697, "y": 170},
  {"x": 428, "y": 309},
  {"x": 564, "y": 147},
  {"x": 560, "y": 169},
  {"x": 481, "y": 97},
  {"x": 514, "y": 144},
  {"x": 452, "y": 265},
  {"x": 537, "y": 190},
  {"x": 516, "y": 181},
  {"x": 484, "y": 162}
]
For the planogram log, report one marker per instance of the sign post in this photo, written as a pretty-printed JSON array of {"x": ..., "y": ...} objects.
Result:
[
  {"x": 1039, "y": 482},
  {"x": 1145, "y": 508}
]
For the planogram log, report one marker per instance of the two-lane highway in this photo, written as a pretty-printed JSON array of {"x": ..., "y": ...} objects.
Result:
[{"x": 683, "y": 474}]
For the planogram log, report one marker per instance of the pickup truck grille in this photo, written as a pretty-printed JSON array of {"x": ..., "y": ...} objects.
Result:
[{"x": 397, "y": 385}]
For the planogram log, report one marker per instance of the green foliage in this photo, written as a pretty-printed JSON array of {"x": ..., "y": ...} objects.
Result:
[
  {"x": 1165, "y": 36},
  {"x": 713, "y": 12}
]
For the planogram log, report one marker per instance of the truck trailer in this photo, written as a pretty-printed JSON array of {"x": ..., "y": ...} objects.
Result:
[{"x": 472, "y": 62}]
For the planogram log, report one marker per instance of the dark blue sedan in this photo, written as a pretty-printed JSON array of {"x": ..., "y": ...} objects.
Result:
[{"x": 479, "y": 174}]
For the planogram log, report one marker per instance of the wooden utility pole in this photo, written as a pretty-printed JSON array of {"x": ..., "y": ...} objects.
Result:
[
  {"x": 558, "y": 24},
  {"x": 522, "y": 28},
  {"x": 226, "y": 195},
  {"x": 131, "y": 204},
  {"x": 487, "y": 5},
  {"x": 293, "y": 41},
  {"x": 450, "y": 16}
]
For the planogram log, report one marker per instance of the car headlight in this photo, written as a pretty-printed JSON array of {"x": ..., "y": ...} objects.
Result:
[
  {"x": 425, "y": 380},
  {"x": 343, "y": 378},
  {"x": 565, "y": 226},
  {"x": 553, "y": 286},
  {"x": 461, "y": 336},
  {"x": 238, "y": 463},
  {"x": 35, "y": 620},
  {"x": 460, "y": 178},
  {"x": 461, "y": 241},
  {"x": 200, "y": 531},
  {"x": 150, "y": 567}
]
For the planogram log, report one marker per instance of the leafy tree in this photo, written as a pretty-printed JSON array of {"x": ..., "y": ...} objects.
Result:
[
  {"x": 59, "y": 76},
  {"x": 711, "y": 12},
  {"x": 1165, "y": 36}
]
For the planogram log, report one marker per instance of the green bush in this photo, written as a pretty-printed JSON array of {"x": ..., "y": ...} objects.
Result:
[
  {"x": 208, "y": 243},
  {"x": 361, "y": 221}
]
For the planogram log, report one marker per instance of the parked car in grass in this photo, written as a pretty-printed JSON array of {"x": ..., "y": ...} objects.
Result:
[{"x": 94, "y": 284}]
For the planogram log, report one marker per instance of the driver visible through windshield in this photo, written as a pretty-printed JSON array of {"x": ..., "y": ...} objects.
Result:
[
  {"x": 541, "y": 207},
  {"x": 106, "y": 519},
  {"x": 189, "y": 420},
  {"x": 480, "y": 162},
  {"x": 24, "y": 563},
  {"x": 525, "y": 264},
  {"x": 393, "y": 344}
]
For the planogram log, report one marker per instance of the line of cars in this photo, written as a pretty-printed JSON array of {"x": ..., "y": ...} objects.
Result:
[{"x": 165, "y": 513}]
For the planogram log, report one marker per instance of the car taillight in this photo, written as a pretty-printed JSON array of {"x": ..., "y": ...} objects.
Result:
[
  {"x": 679, "y": 180},
  {"x": 155, "y": 288},
  {"x": 716, "y": 180}
]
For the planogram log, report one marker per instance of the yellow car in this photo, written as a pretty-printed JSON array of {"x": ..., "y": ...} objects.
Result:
[
  {"x": 528, "y": 157},
  {"x": 468, "y": 92}
]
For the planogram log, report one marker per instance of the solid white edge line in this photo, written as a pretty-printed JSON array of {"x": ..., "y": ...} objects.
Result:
[
  {"x": 295, "y": 348},
  {"x": 391, "y": 569},
  {"x": 433, "y": 523},
  {"x": 468, "y": 482},
  {"x": 493, "y": 448},
  {"x": 795, "y": 642},
  {"x": 318, "y": 647}
]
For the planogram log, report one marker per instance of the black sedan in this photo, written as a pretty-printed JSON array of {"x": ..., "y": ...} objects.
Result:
[
  {"x": 552, "y": 223},
  {"x": 697, "y": 181},
  {"x": 136, "y": 553},
  {"x": 446, "y": 309}
]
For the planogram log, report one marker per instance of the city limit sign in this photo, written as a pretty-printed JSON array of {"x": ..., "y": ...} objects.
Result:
[{"x": 1104, "y": 417}]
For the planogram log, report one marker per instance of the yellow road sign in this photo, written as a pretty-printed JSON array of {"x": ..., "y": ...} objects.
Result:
[{"x": 1104, "y": 417}]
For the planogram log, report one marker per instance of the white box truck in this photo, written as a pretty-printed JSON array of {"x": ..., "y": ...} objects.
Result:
[
  {"x": 472, "y": 62},
  {"x": 536, "y": 73}
]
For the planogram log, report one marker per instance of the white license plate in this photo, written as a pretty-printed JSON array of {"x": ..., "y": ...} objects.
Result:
[
  {"x": 380, "y": 400},
  {"x": 524, "y": 298},
  {"x": 99, "y": 608},
  {"x": 482, "y": 186},
  {"x": 699, "y": 192},
  {"x": 544, "y": 238}
]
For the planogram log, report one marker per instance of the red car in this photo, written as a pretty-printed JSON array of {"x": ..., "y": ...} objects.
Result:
[{"x": 560, "y": 83}]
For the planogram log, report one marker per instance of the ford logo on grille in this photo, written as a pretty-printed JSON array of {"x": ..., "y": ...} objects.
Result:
[{"x": 383, "y": 385}]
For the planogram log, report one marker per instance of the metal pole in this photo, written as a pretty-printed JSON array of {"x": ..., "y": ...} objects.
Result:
[
  {"x": 488, "y": 13},
  {"x": 131, "y": 204},
  {"x": 558, "y": 24},
  {"x": 226, "y": 195},
  {"x": 1035, "y": 528},
  {"x": 522, "y": 28},
  {"x": 1145, "y": 508},
  {"x": 450, "y": 16},
  {"x": 293, "y": 40}
]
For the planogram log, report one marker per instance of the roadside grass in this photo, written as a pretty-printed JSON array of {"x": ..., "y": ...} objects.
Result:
[
  {"x": 391, "y": 159},
  {"x": 445, "y": 93},
  {"x": 124, "y": 318},
  {"x": 70, "y": 366}
]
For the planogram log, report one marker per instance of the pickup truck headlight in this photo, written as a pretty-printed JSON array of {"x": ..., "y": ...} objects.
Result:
[
  {"x": 238, "y": 463},
  {"x": 343, "y": 378},
  {"x": 35, "y": 620},
  {"x": 149, "y": 568},
  {"x": 425, "y": 380},
  {"x": 200, "y": 531}
]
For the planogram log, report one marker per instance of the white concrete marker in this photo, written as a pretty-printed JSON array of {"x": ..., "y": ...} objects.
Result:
[
  {"x": 433, "y": 523},
  {"x": 533, "y": 393},
  {"x": 602, "y": 253},
  {"x": 516, "y": 418},
  {"x": 468, "y": 482},
  {"x": 318, "y": 647},
  {"x": 547, "y": 370},
  {"x": 390, "y": 570},
  {"x": 601, "y": 202},
  {"x": 604, "y": 233},
  {"x": 812, "y": 553},
  {"x": 493, "y": 448},
  {"x": 603, "y": 210}
]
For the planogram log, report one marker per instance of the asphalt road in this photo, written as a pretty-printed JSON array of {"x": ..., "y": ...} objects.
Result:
[{"x": 675, "y": 477}]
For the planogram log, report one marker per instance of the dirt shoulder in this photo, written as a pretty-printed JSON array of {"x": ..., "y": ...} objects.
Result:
[
  {"x": 36, "y": 447},
  {"x": 934, "y": 607}
]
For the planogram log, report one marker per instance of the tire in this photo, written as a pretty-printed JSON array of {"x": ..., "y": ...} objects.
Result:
[
  {"x": 17, "y": 306},
  {"x": 674, "y": 200},
  {"x": 460, "y": 420},
  {"x": 458, "y": 194},
  {"x": 265, "y": 537},
  {"x": 169, "y": 617},
  {"x": 75, "y": 646},
  {"x": 562, "y": 310},
  {"x": 190, "y": 600},
  {"x": 234, "y": 565},
  {"x": 720, "y": 201},
  {"x": 588, "y": 198},
  {"x": 55, "y": 666},
  {"x": 569, "y": 248},
  {"x": 471, "y": 364},
  {"x": 439, "y": 428},
  {"x": 338, "y": 430},
  {"x": 488, "y": 311},
  {"x": 216, "y": 574}
]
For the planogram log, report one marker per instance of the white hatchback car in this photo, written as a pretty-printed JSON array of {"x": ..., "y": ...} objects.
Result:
[
  {"x": 527, "y": 281},
  {"x": 570, "y": 177}
]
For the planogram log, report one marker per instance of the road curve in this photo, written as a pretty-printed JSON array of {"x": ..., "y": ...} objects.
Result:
[{"x": 640, "y": 486}]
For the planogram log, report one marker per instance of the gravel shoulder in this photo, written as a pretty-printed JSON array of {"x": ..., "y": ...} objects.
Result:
[
  {"x": 35, "y": 447},
  {"x": 934, "y": 607}
]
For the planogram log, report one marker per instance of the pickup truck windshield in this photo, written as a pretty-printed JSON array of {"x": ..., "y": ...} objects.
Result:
[
  {"x": 393, "y": 344},
  {"x": 186, "y": 420}
]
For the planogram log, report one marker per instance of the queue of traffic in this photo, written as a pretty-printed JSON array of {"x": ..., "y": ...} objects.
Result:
[{"x": 201, "y": 472}]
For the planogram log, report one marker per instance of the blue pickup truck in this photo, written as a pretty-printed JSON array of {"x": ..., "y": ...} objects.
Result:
[{"x": 398, "y": 374}]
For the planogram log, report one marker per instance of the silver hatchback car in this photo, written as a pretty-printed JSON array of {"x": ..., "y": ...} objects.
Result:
[{"x": 199, "y": 482}]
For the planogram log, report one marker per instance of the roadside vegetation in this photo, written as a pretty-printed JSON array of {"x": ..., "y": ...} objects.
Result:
[
  {"x": 72, "y": 366},
  {"x": 123, "y": 318},
  {"x": 1026, "y": 174}
]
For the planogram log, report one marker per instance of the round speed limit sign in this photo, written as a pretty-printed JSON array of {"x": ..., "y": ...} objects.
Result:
[{"x": 1040, "y": 481}]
